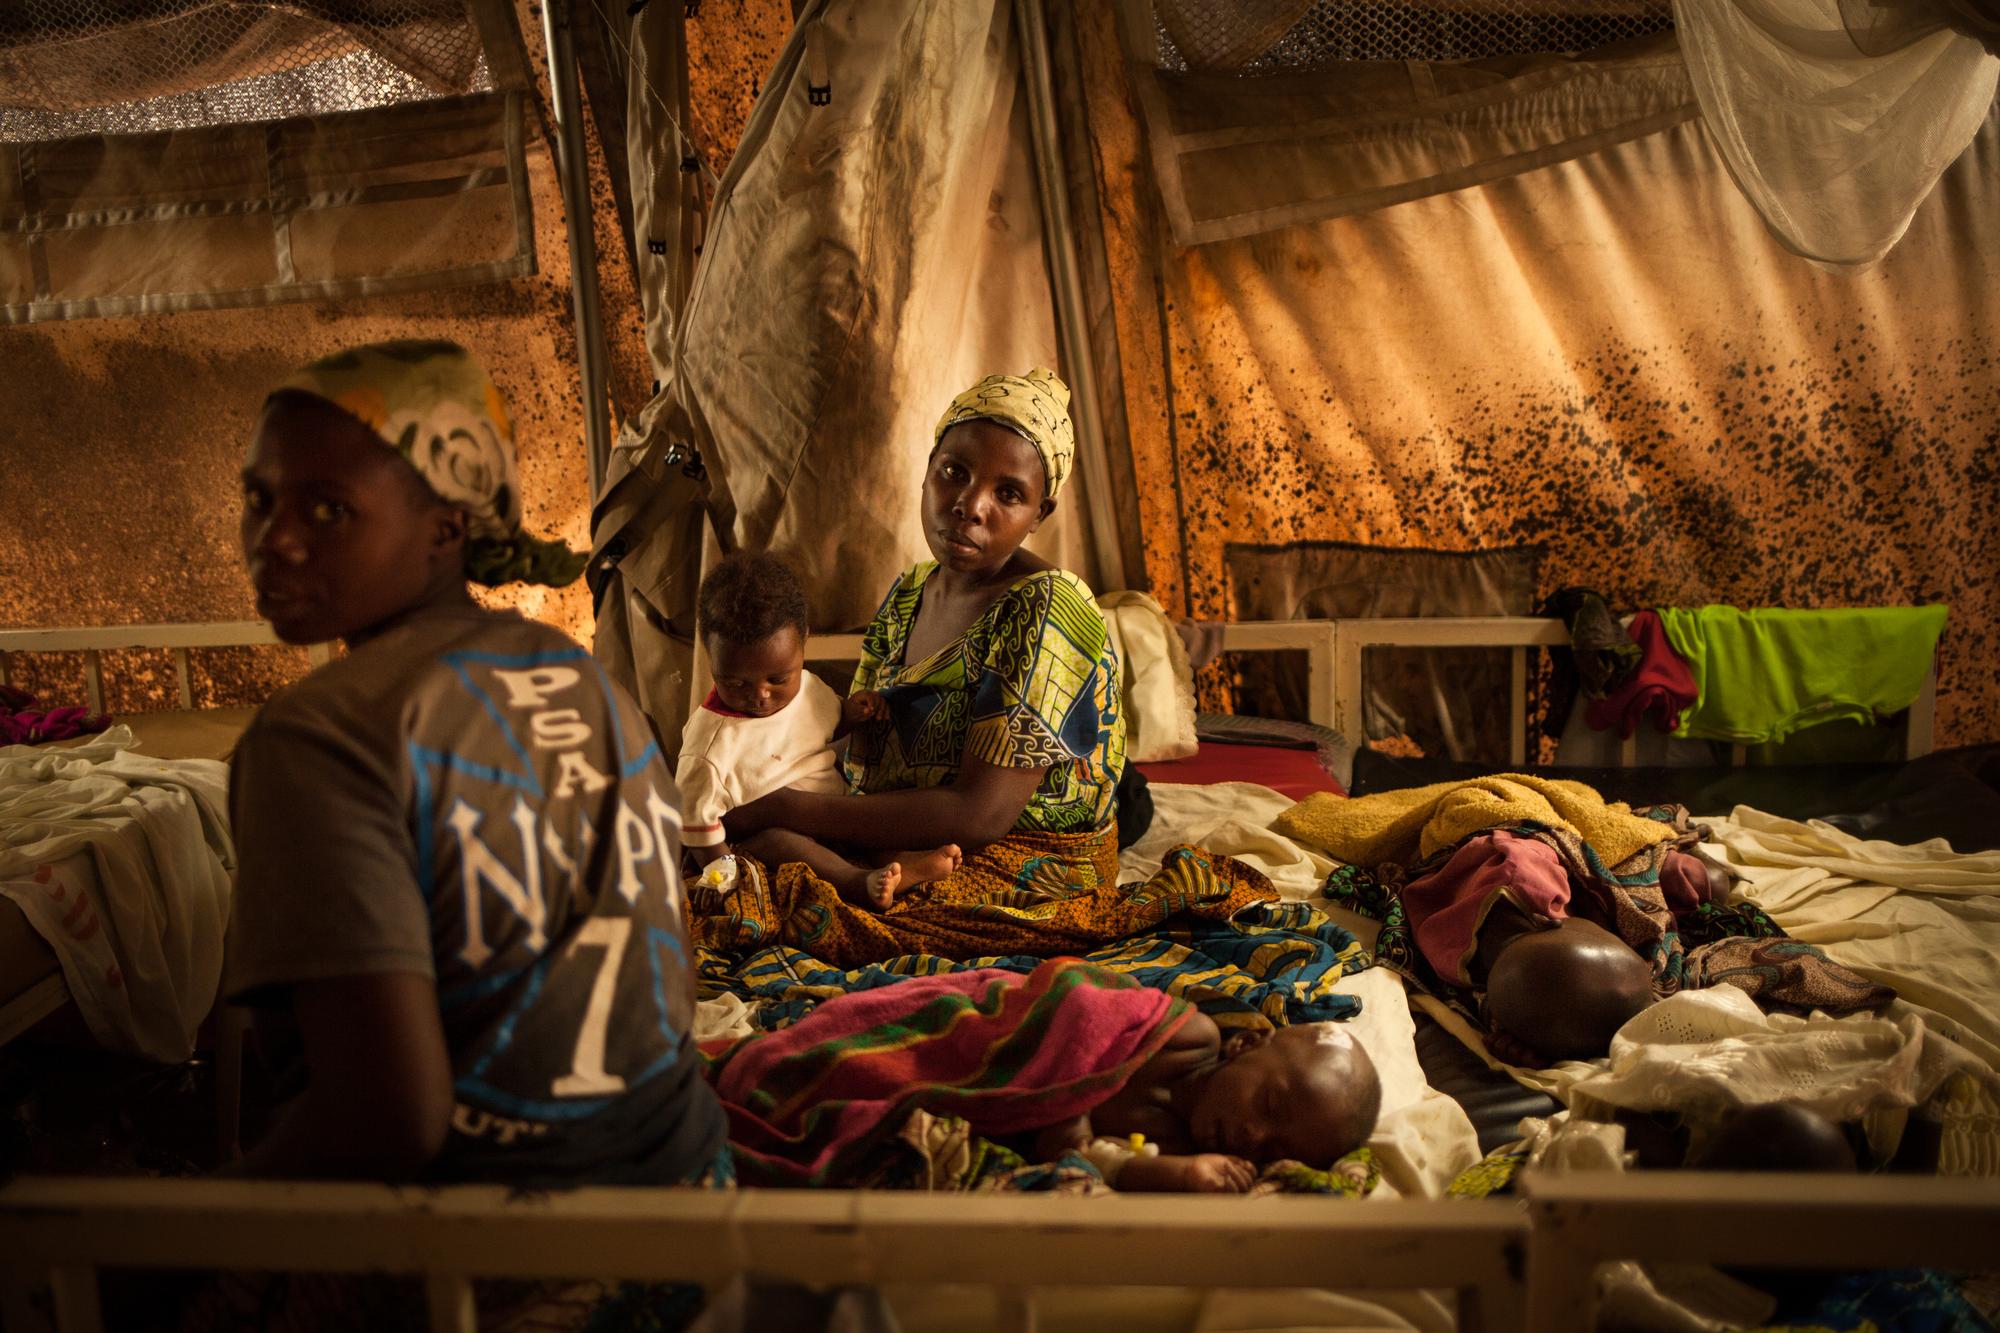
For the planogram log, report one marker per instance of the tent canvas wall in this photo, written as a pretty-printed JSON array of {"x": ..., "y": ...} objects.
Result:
[{"x": 1597, "y": 355}]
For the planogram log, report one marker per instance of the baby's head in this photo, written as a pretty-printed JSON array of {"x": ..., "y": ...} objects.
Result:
[
  {"x": 1307, "y": 1093},
  {"x": 1774, "y": 1136},
  {"x": 1564, "y": 992},
  {"x": 753, "y": 623}
]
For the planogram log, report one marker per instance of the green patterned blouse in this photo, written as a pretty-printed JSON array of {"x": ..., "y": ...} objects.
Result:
[{"x": 1034, "y": 681}]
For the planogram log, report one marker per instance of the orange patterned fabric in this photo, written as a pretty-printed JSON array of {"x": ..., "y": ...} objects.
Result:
[{"x": 1041, "y": 894}]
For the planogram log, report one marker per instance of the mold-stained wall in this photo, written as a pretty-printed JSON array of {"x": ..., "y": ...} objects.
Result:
[
  {"x": 1610, "y": 358},
  {"x": 120, "y": 441}
]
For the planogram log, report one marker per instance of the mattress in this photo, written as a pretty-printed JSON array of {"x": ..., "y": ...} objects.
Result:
[
  {"x": 1292, "y": 772},
  {"x": 184, "y": 733}
]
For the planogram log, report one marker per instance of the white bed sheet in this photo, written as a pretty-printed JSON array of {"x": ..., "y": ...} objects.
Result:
[
  {"x": 122, "y": 863},
  {"x": 1921, "y": 918}
]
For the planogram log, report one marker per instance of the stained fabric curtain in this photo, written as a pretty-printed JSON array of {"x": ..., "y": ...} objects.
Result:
[
  {"x": 358, "y": 204},
  {"x": 1238, "y": 156},
  {"x": 874, "y": 246},
  {"x": 1609, "y": 359},
  {"x": 226, "y": 209}
]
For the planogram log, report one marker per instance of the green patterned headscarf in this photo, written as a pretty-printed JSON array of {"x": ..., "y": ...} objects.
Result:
[
  {"x": 1034, "y": 406},
  {"x": 433, "y": 403}
]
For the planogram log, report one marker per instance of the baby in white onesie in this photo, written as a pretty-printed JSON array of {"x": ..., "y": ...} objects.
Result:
[{"x": 769, "y": 724}]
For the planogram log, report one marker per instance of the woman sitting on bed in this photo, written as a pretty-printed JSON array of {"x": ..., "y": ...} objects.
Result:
[
  {"x": 477, "y": 987},
  {"x": 1004, "y": 734}
]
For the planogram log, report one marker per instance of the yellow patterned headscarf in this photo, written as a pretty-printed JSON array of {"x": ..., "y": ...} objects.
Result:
[
  {"x": 1034, "y": 406},
  {"x": 434, "y": 404}
]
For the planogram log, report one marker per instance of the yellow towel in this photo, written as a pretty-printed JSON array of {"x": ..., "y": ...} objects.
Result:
[{"x": 1407, "y": 826}]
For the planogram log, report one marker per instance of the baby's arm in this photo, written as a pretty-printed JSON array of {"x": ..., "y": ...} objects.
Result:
[
  {"x": 705, "y": 798},
  {"x": 1195, "y": 1045},
  {"x": 1141, "y": 1106},
  {"x": 1201, "y": 1173},
  {"x": 1198, "y": 1173},
  {"x": 859, "y": 707}
]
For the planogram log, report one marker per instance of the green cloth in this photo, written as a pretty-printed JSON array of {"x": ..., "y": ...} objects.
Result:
[{"x": 1762, "y": 675}]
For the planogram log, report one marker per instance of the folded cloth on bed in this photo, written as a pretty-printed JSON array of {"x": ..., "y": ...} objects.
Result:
[
  {"x": 1661, "y": 684},
  {"x": 1004, "y": 1052},
  {"x": 1043, "y": 894},
  {"x": 1701, "y": 1054},
  {"x": 122, "y": 863},
  {"x": 1919, "y": 917},
  {"x": 1413, "y": 825},
  {"x": 1155, "y": 683},
  {"x": 1762, "y": 675},
  {"x": 23, "y": 723}
]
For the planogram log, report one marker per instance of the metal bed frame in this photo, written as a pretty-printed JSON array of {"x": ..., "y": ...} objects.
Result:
[{"x": 1334, "y": 652}]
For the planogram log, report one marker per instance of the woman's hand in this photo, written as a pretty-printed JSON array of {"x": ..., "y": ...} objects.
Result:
[
  {"x": 378, "y": 1098},
  {"x": 774, "y": 810},
  {"x": 864, "y": 706}
]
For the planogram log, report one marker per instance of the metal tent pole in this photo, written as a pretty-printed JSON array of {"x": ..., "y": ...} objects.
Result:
[
  {"x": 573, "y": 169},
  {"x": 1067, "y": 291}
]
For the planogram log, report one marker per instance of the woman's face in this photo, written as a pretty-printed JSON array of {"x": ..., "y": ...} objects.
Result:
[
  {"x": 339, "y": 532},
  {"x": 983, "y": 495}
]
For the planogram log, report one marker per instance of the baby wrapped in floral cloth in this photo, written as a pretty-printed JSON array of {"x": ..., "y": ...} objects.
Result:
[{"x": 1069, "y": 1057}]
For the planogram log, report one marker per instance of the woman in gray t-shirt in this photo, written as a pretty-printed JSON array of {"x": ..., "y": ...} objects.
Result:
[{"x": 457, "y": 844}]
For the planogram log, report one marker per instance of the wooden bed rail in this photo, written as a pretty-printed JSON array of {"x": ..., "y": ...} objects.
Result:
[
  {"x": 61, "y": 1231},
  {"x": 1824, "y": 1222},
  {"x": 94, "y": 642}
]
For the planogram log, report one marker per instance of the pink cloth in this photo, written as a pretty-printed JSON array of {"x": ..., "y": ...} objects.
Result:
[
  {"x": 1662, "y": 683},
  {"x": 1447, "y": 906},
  {"x": 1006, "y": 1052},
  {"x": 21, "y": 723},
  {"x": 1685, "y": 883}
]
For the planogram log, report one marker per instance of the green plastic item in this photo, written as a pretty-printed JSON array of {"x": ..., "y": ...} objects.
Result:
[{"x": 1762, "y": 675}]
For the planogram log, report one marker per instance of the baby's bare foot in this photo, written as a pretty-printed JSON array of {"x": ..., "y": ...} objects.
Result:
[
  {"x": 923, "y": 867},
  {"x": 879, "y": 886}
]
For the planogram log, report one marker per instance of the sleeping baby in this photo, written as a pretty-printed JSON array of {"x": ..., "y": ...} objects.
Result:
[
  {"x": 1214, "y": 1110},
  {"x": 1069, "y": 1058}
]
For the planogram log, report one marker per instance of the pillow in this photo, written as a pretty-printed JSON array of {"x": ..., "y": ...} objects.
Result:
[{"x": 1155, "y": 684}]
